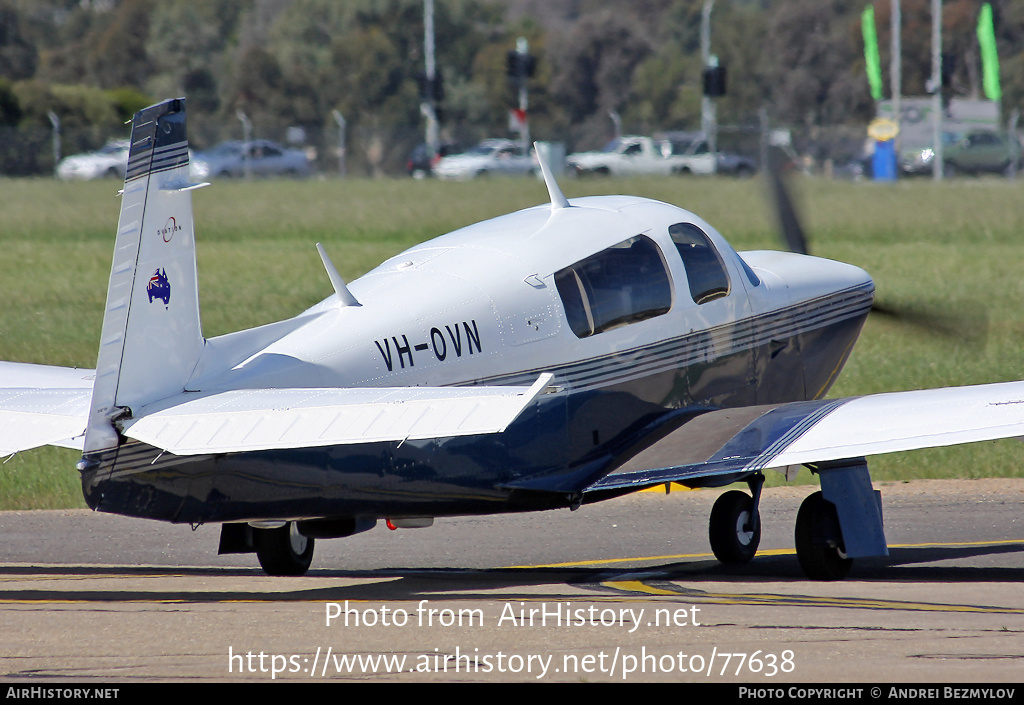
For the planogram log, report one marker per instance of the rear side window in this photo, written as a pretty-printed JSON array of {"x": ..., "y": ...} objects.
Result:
[
  {"x": 624, "y": 284},
  {"x": 705, "y": 270}
]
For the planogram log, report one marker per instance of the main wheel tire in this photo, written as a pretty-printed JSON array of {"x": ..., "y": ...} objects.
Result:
[
  {"x": 283, "y": 551},
  {"x": 819, "y": 540},
  {"x": 732, "y": 541}
]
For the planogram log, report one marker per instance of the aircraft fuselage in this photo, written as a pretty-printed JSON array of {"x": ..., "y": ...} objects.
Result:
[{"x": 497, "y": 304}]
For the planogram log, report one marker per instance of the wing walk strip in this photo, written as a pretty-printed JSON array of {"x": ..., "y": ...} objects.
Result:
[
  {"x": 698, "y": 346},
  {"x": 785, "y": 440}
]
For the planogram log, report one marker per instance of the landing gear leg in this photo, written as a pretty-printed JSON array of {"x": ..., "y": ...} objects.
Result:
[
  {"x": 819, "y": 540},
  {"x": 283, "y": 551},
  {"x": 735, "y": 527}
]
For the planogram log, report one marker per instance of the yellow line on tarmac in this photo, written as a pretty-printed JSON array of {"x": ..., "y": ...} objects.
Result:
[
  {"x": 761, "y": 599},
  {"x": 767, "y": 552},
  {"x": 961, "y": 544},
  {"x": 678, "y": 556}
]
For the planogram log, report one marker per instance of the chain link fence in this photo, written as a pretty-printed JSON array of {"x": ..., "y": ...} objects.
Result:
[{"x": 362, "y": 151}]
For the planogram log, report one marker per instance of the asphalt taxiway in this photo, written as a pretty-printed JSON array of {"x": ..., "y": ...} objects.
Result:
[{"x": 622, "y": 591}]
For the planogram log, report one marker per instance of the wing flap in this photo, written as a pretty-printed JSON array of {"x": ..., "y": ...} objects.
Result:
[
  {"x": 267, "y": 419},
  {"x": 747, "y": 440}
]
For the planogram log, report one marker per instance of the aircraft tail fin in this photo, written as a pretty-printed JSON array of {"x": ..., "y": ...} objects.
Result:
[{"x": 151, "y": 339}]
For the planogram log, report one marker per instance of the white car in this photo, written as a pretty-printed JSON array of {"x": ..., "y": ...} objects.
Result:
[
  {"x": 110, "y": 161},
  {"x": 495, "y": 156}
]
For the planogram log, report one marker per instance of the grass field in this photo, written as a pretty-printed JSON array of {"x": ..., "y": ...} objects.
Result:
[{"x": 953, "y": 249}]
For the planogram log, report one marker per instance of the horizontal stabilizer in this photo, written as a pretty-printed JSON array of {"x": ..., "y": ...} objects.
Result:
[
  {"x": 751, "y": 439},
  {"x": 267, "y": 419},
  {"x": 42, "y": 405}
]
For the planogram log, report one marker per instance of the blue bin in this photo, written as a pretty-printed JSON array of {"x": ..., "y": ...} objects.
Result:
[{"x": 883, "y": 164}]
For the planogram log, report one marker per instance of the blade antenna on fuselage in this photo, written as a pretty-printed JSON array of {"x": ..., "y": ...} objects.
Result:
[
  {"x": 558, "y": 199},
  {"x": 340, "y": 289}
]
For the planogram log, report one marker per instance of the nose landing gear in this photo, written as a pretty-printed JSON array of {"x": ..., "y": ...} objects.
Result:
[{"x": 735, "y": 526}]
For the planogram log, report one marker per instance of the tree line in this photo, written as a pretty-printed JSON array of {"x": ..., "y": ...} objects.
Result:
[{"x": 292, "y": 63}]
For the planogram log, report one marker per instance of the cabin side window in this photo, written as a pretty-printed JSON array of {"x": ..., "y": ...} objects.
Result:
[
  {"x": 705, "y": 270},
  {"x": 626, "y": 283}
]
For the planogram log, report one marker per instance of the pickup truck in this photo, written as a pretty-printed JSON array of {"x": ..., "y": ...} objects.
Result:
[{"x": 631, "y": 155}]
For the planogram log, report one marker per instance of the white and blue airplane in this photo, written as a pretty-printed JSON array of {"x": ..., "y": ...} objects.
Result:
[{"x": 563, "y": 354}]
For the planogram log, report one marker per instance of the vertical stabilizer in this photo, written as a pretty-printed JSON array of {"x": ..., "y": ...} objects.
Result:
[{"x": 151, "y": 337}]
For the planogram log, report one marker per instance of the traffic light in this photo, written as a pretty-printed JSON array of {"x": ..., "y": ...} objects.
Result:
[
  {"x": 519, "y": 67},
  {"x": 714, "y": 81}
]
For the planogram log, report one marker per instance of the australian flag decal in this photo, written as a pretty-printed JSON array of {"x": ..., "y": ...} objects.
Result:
[{"x": 159, "y": 287}]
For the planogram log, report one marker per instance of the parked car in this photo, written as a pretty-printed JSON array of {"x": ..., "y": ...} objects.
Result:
[
  {"x": 982, "y": 151},
  {"x": 494, "y": 156},
  {"x": 917, "y": 159},
  {"x": 110, "y": 161},
  {"x": 265, "y": 158},
  {"x": 420, "y": 163},
  {"x": 730, "y": 164}
]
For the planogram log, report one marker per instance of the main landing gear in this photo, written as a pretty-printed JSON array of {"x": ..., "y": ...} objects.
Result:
[
  {"x": 735, "y": 532},
  {"x": 819, "y": 540},
  {"x": 841, "y": 522},
  {"x": 283, "y": 551},
  {"x": 286, "y": 547}
]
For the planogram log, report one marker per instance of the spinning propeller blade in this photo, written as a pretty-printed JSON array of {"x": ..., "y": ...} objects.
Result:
[
  {"x": 971, "y": 328},
  {"x": 788, "y": 220}
]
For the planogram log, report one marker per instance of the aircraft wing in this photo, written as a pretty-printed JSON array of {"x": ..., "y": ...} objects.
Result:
[
  {"x": 265, "y": 419},
  {"x": 42, "y": 405},
  {"x": 751, "y": 439}
]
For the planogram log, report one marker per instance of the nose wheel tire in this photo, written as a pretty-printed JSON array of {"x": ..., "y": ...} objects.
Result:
[
  {"x": 733, "y": 539},
  {"x": 283, "y": 551},
  {"x": 819, "y": 540}
]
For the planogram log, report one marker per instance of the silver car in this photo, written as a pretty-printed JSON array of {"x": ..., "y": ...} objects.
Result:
[
  {"x": 494, "y": 156},
  {"x": 258, "y": 158}
]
